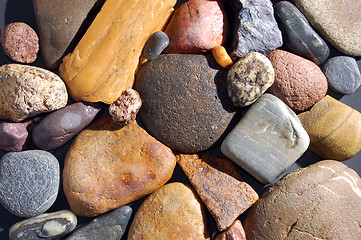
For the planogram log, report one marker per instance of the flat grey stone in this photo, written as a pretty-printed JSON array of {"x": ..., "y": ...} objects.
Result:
[{"x": 267, "y": 140}]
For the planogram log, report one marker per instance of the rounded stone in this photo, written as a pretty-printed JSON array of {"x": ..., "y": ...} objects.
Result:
[
  {"x": 29, "y": 182},
  {"x": 223, "y": 59},
  {"x": 321, "y": 201},
  {"x": 249, "y": 78},
  {"x": 155, "y": 45},
  {"x": 343, "y": 74},
  {"x": 14, "y": 136}
]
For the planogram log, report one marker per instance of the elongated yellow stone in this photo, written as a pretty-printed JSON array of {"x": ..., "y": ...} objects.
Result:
[{"x": 105, "y": 60}]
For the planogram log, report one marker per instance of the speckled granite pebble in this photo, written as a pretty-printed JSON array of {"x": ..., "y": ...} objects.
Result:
[{"x": 155, "y": 45}]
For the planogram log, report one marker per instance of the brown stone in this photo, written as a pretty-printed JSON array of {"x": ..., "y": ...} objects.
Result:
[
  {"x": 107, "y": 167},
  {"x": 172, "y": 212},
  {"x": 299, "y": 82},
  {"x": 334, "y": 129},
  {"x": 234, "y": 232},
  {"x": 219, "y": 185}
]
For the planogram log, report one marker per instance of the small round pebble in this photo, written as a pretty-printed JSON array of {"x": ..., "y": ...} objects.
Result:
[
  {"x": 222, "y": 57},
  {"x": 343, "y": 74},
  {"x": 20, "y": 42},
  {"x": 155, "y": 45}
]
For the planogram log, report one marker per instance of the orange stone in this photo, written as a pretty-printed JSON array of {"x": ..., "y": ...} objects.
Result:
[
  {"x": 222, "y": 57},
  {"x": 234, "y": 232}
]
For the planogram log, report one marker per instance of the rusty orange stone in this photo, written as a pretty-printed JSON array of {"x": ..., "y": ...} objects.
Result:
[
  {"x": 219, "y": 185},
  {"x": 234, "y": 232},
  {"x": 222, "y": 57},
  {"x": 108, "y": 166}
]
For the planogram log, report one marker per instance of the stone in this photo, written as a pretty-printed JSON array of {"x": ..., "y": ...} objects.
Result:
[
  {"x": 14, "y": 136},
  {"x": 299, "y": 82},
  {"x": 337, "y": 21},
  {"x": 249, "y": 78},
  {"x": 45, "y": 226},
  {"x": 155, "y": 45},
  {"x": 29, "y": 182},
  {"x": 185, "y": 101},
  {"x": 219, "y": 185},
  {"x": 317, "y": 202},
  {"x": 298, "y": 35},
  {"x": 119, "y": 166},
  {"x": 267, "y": 140},
  {"x": 255, "y": 28},
  {"x": 109, "y": 226},
  {"x": 221, "y": 56},
  {"x": 343, "y": 74},
  {"x": 26, "y": 91},
  {"x": 171, "y": 212},
  {"x": 334, "y": 129},
  {"x": 61, "y": 24},
  {"x": 58, "y": 127},
  {"x": 104, "y": 62},
  {"x": 234, "y": 232}
]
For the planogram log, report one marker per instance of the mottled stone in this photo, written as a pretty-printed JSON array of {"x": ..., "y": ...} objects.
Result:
[
  {"x": 321, "y": 201},
  {"x": 45, "y": 226},
  {"x": 119, "y": 166},
  {"x": 234, "y": 232},
  {"x": 26, "y": 91},
  {"x": 249, "y": 78},
  {"x": 299, "y": 82},
  {"x": 334, "y": 129},
  {"x": 221, "y": 56},
  {"x": 14, "y": 136},
  {"x": 155, "y": 45},
  {"x": 343, "y": 74},
  {"x": 267, "y": 140},
  {"x": 255, "y": 28},
  {"x": 29, "y": 182},
  {"x": 219, "y": 185},
  {"x": 172, "y": 212},
  {"x": 185, "y": 101},
  {"x": 298, "y": 35},
  {"x": 110, "y": 226},
  {"x": 337, "y": 21}
]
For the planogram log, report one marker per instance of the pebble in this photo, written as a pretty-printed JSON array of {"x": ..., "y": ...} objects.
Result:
[
  {"x": 249, "y": 78},
  {"x": 14, "y": 136},
  {"x": 46, "y": 226},
  {"x": 172, "y": 212},
  {"x": 267, "y": 140},
  {"x": 155, "y": 45},
  {"x": 20, "y": 42},
  {"x": 29, "y": 182},
  {"x": 234, "y": 232},
  {"x": 108, "y": 166},
  {"x": 343, "y": 74},
  {"x": 219, "y": 185},
  {"x": 320, "y": 201},
  {"x": 298, "y": 35},
  {"x": 221, "y": 56},
  {"x": 26, "y": 91},
  {"x": 299, "y": 82},
  {"x": 110, "y": 226},
  {"x": 334, "y": 129}
]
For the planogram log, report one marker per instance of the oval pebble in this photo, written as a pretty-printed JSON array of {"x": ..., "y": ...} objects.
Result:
[
  {"x": 155, "y": 45},
  {"x": 222, "y": 57}
]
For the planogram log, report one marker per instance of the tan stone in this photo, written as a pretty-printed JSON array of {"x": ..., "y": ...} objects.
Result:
[
  {"x": 104, "y": 62},
  {"x": 107, "y": 167},
  {"x": 334, "y": 129},
  {"x": 234, "y": 232},
  {"x": 172, "y": 212}
]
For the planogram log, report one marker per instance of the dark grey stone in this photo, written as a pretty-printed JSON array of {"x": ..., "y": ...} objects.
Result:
[
  {"x": 110, "y": 226},
  {"x": 343, "y": 74},
  {"x": 29, "y": 182},
  {"x": 155, "y": 45},
  {"x": 298, "y": 35},
  {"x": 255, "y": 28}
]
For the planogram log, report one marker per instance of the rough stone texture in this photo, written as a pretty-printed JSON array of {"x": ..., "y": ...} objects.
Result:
[
  {"x": 20, "y": 42},
  {"x": 337, "y": 21},
  {"x": 14, "y": 136},
  {"x": 334, "y": 129},
  {"x": 46, "y": 226},
  {"x": 58, "y": 127},
  {"x": 249, "y": 78},
  {"x": 321, "y": 201},
  {"x": 26, "y": 91},
  {"x": 298, "y": 35},
  {"x": 221, "y": 56},
  {"x": 172, "y": 212},
  {"x": 61, "y": 24},
  {"x": 110, "y": 226},
  {"x": 185, "y": 101},
  {"x": 255, "y": 28},
  {"x": 29, "y": 182},
  {"x": 219, "y": 185},
  {"x": 267, "y": 140},
  {"x": 197, "y": 26},
  {"x": 155, "y": 45},
  {"x": 299, "y": 82},
  {"x": 343, "y": 74},
  {"x": 107, "y": 167},
  {"x": 234, "y": 232}
]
